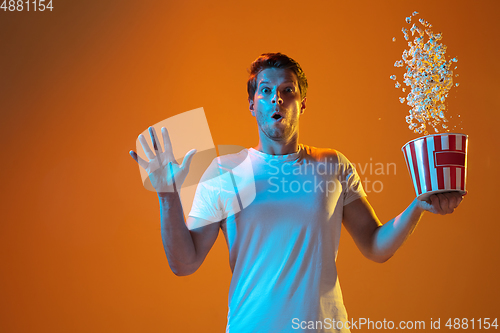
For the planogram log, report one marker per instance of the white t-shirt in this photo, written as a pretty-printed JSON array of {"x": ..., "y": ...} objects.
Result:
[{"x": 281, "y": 216}]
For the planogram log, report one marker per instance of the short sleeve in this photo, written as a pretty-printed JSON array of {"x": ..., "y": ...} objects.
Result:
[
  {"x": 352, "y": 187},
  {"x": 206, "y": 203}
]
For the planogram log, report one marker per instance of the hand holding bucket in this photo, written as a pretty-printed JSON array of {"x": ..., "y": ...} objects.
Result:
[{"x": 437, "y": 163}]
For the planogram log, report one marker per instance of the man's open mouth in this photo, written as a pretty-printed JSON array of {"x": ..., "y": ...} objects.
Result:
[{"x": 276, "y": 116}]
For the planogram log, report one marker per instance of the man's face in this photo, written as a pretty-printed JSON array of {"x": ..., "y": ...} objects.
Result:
[{"x": 277, "y": 104}]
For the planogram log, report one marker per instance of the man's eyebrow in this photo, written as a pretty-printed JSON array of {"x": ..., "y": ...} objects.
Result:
[{"x": 283, "y": 82}]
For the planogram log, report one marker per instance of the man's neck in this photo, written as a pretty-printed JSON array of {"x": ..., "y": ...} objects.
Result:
[{"x": 278, "y": 147}]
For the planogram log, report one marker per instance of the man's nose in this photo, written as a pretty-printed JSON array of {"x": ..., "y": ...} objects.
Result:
[{"x": 277, "y": 98}]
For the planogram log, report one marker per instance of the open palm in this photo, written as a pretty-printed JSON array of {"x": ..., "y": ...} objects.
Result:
[{"x": 165, "y": 174}]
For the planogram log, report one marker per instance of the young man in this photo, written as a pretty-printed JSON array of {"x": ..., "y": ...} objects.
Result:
[{"x": 283, "y": 237}]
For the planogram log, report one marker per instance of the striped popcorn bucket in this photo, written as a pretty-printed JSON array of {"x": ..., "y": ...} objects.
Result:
[{"x": 437, "y": 163}]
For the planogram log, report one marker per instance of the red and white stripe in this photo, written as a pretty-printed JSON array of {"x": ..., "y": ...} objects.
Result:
[{"x": 437, "y": 163}]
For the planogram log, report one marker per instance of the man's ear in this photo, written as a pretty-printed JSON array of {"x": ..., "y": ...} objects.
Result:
[
  {"x": 250, "y": 106},
  {"x": 303, "y": 105}
]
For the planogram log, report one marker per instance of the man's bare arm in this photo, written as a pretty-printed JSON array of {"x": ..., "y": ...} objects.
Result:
[
  {"x": 185, "y": 249},
  {"x": 379, "y": 242}
]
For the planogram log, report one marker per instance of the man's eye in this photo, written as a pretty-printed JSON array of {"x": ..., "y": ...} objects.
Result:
[
  {"x": 265, "y": 90},
  {"x": 289, "y": 89}
]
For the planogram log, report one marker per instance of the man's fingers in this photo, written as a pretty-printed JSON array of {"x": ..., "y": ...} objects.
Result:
[
  {"x": 452, "y": 201},
  {"x": 438, "y": 204},
  {"x": 154, "y": 140},
  {"x": 149, "y": 154},
  {"x": 444, "y": 203},
  {"x": 138, "y": 159},
  {"x": 156, "y": 145},
  {"x": 186, "y": 162},
  {"x": 167, "y": 145},
  {"x": 433, "y": 200},
  {"x": 455, "y": 199},
  {"x": 435, "y": 204}
]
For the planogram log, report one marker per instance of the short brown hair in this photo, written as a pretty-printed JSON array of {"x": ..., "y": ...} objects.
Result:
[{"x": 275, "y": 60}]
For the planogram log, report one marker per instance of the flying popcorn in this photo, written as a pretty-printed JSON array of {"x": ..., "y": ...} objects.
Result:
[{"x": 428, "y": 76}]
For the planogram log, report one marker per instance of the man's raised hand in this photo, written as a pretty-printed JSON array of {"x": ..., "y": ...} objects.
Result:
[{"x": 165, "y": 174}]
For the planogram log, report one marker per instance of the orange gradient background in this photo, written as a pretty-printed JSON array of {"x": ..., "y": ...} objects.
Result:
[{"x": 80, "y": 245}]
